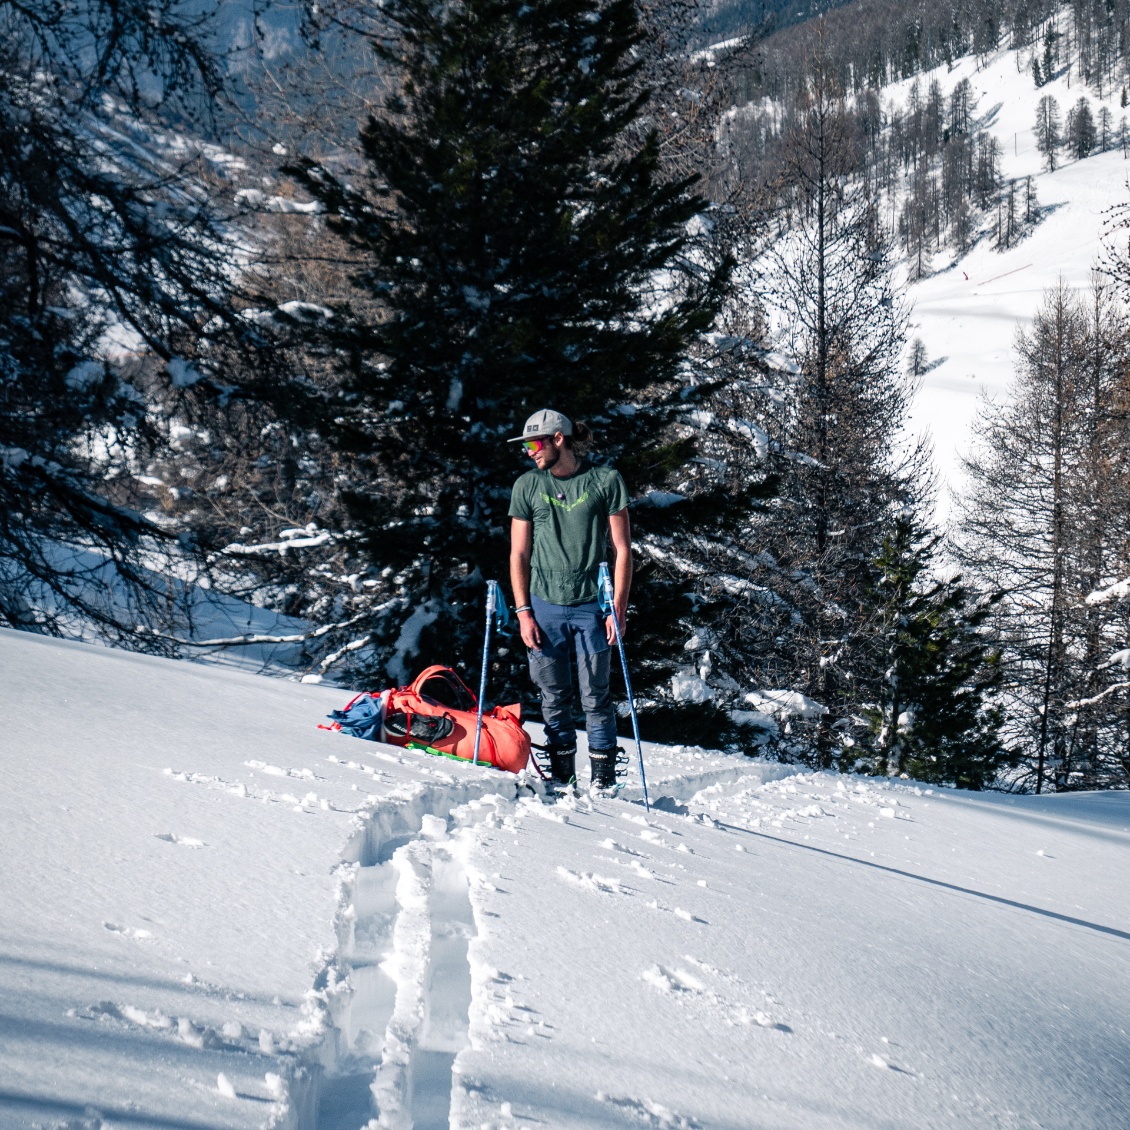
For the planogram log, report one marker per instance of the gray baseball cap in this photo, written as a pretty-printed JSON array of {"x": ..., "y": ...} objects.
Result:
[{"x": 544, "y": 423}]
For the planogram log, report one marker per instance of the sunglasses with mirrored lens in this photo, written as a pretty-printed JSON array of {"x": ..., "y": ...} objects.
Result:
[{"x": 533, "y": 446}]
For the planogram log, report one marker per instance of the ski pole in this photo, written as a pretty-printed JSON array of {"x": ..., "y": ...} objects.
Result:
[
  {"x": 608, "y": 606},
  {"x": 496, "y": 603}
]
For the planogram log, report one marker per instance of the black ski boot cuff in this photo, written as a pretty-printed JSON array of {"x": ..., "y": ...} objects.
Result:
[
  {"x": 603, "y": 765},
  {"x": 562, "y": 764}
]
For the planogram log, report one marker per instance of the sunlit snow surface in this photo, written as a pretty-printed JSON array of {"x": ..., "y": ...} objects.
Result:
[
  {"x": 967, "y": 313},
  {"x": 215, "y": 915}
]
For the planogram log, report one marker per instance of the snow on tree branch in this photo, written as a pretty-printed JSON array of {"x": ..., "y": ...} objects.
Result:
[
  {"x": 1081, "y": 703},
  {"x": 242, "y": 641},
  {"x": 1119, "y": 591}
]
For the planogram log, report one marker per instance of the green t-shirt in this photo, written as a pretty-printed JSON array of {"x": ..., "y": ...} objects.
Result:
[{"x": 570, "y": 518}]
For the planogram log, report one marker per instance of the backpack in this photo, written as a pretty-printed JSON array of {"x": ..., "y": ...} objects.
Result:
[{"x": 443, "y": 705}]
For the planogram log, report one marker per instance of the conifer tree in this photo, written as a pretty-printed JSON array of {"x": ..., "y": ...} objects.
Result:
[
  {"x": 514, "y": 226},
  {"x": 832, "y": 438},
  {"x": 1080, "y": 134},
  {"x": 1047, "y": 130},
  {"x": 930, "y": 716}
]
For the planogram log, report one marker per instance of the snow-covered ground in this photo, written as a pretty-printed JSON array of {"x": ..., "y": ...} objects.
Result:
[
  {"x": 216, "y": 915},
  {"x": 968, "y": 312}
]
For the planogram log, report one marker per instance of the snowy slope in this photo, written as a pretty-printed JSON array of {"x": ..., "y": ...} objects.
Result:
[
  {"x": 296, "y": 928},
  {"x": 967, "y": 313}
]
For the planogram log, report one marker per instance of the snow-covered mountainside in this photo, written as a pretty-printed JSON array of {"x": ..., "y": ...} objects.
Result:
[
  {"x": 216, "y": 915},
  {"x": 968, "y": 310}
]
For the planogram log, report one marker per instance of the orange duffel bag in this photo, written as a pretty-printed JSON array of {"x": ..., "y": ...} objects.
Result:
[{"x": 438, "y": 693}]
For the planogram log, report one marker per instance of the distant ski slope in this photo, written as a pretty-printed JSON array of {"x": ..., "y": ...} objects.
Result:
[
  {"x": 969, "y": 310},
  {"x": 216, "y": 915}
]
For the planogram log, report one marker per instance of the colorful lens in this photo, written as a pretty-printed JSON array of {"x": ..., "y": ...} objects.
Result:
[{"x": 533, "y": 446}]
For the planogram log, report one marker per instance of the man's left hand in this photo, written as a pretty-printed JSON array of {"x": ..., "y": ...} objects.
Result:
[{"x": 610, "y": 627}]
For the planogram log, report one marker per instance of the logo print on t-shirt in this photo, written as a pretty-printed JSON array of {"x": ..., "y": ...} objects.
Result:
[{"x": 566, "y": 506}]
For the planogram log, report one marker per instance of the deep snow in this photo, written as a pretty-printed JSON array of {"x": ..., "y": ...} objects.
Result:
[{"x": 216, "y": 915}]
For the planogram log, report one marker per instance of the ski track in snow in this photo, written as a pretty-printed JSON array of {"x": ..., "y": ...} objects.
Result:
[
  {"x": 398, "y": 989},
  {"x": 767, "y": 947}
]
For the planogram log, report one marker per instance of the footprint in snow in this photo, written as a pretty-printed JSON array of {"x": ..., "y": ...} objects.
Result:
[
  {"x": 184, "y": 841},
  {"x": 649, "y": 1113},
  {"x": 592, "y": 882},
  {"x": 686, "y": 916},
  {"x": 128, "y": 932},
  {"x": 761, "y": 1019},
  {"x": 886, "y": 1065},
  {"x": 672, "y": 980},
  {"x": 280, "y": 771},
  {"x": 632, "y": 818}
]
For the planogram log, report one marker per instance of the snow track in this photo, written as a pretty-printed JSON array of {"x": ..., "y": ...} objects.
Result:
[{"x": 398, "y": 991}]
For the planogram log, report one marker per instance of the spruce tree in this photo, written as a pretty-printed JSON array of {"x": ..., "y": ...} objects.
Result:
[
  {"x": 931, "y": 717},
  {"x": 1080, "y": 136},
  {"x": 512, "y": 223},
  {"x": 1047, "y": 130}
]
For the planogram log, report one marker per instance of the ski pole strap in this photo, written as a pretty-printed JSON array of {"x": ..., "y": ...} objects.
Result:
[
  {"x": 496, "y": 607},
  {"x": 604, "y": 589}
]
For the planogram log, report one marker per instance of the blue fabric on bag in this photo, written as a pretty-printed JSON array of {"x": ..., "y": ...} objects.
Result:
[{"x": 361, "y": 718}]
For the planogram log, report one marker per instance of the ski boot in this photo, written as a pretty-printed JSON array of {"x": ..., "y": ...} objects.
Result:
[
  {"x": 562, "y": 768},
  {"x": 603, "y": 764}
]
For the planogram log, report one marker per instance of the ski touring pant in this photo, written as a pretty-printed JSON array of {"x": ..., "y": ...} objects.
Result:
[{"x": 568, "y": 631}]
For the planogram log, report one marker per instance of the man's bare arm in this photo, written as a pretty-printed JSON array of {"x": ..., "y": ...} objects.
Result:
[
  {"x": 620, "y": 531},
  {"x": 521, "y": 546}
]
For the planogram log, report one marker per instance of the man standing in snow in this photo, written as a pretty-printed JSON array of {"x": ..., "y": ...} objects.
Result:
[{"x": 565, "y": 511}]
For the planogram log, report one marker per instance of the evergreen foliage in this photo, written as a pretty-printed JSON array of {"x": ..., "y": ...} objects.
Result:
[
  {"x": 1048, "y": 137},
  {"x": 931, "y": 718},
  {"x": 1081, "y": 136},
  {"x": 524, "y": 249},
  {"x": 871, "y": 43}
]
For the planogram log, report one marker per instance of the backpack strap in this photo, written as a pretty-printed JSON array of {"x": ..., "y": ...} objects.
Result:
[
  {"x": 439, "y": 671},
  {"x": 492, "y": 758}
]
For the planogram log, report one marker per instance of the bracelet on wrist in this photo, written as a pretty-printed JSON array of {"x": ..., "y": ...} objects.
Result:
[{"x": 524, "y": 608}]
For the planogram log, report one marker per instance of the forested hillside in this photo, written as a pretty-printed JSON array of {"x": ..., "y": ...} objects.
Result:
[{"x": 275, "y": 300}]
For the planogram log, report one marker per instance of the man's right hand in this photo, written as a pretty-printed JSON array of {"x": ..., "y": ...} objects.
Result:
[{"x": 531, "y": 633}]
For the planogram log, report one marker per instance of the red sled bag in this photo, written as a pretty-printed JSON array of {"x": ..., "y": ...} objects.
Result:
[
  {"x": 437, "y": 712},
  {"x": 438, "y": 692}
]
